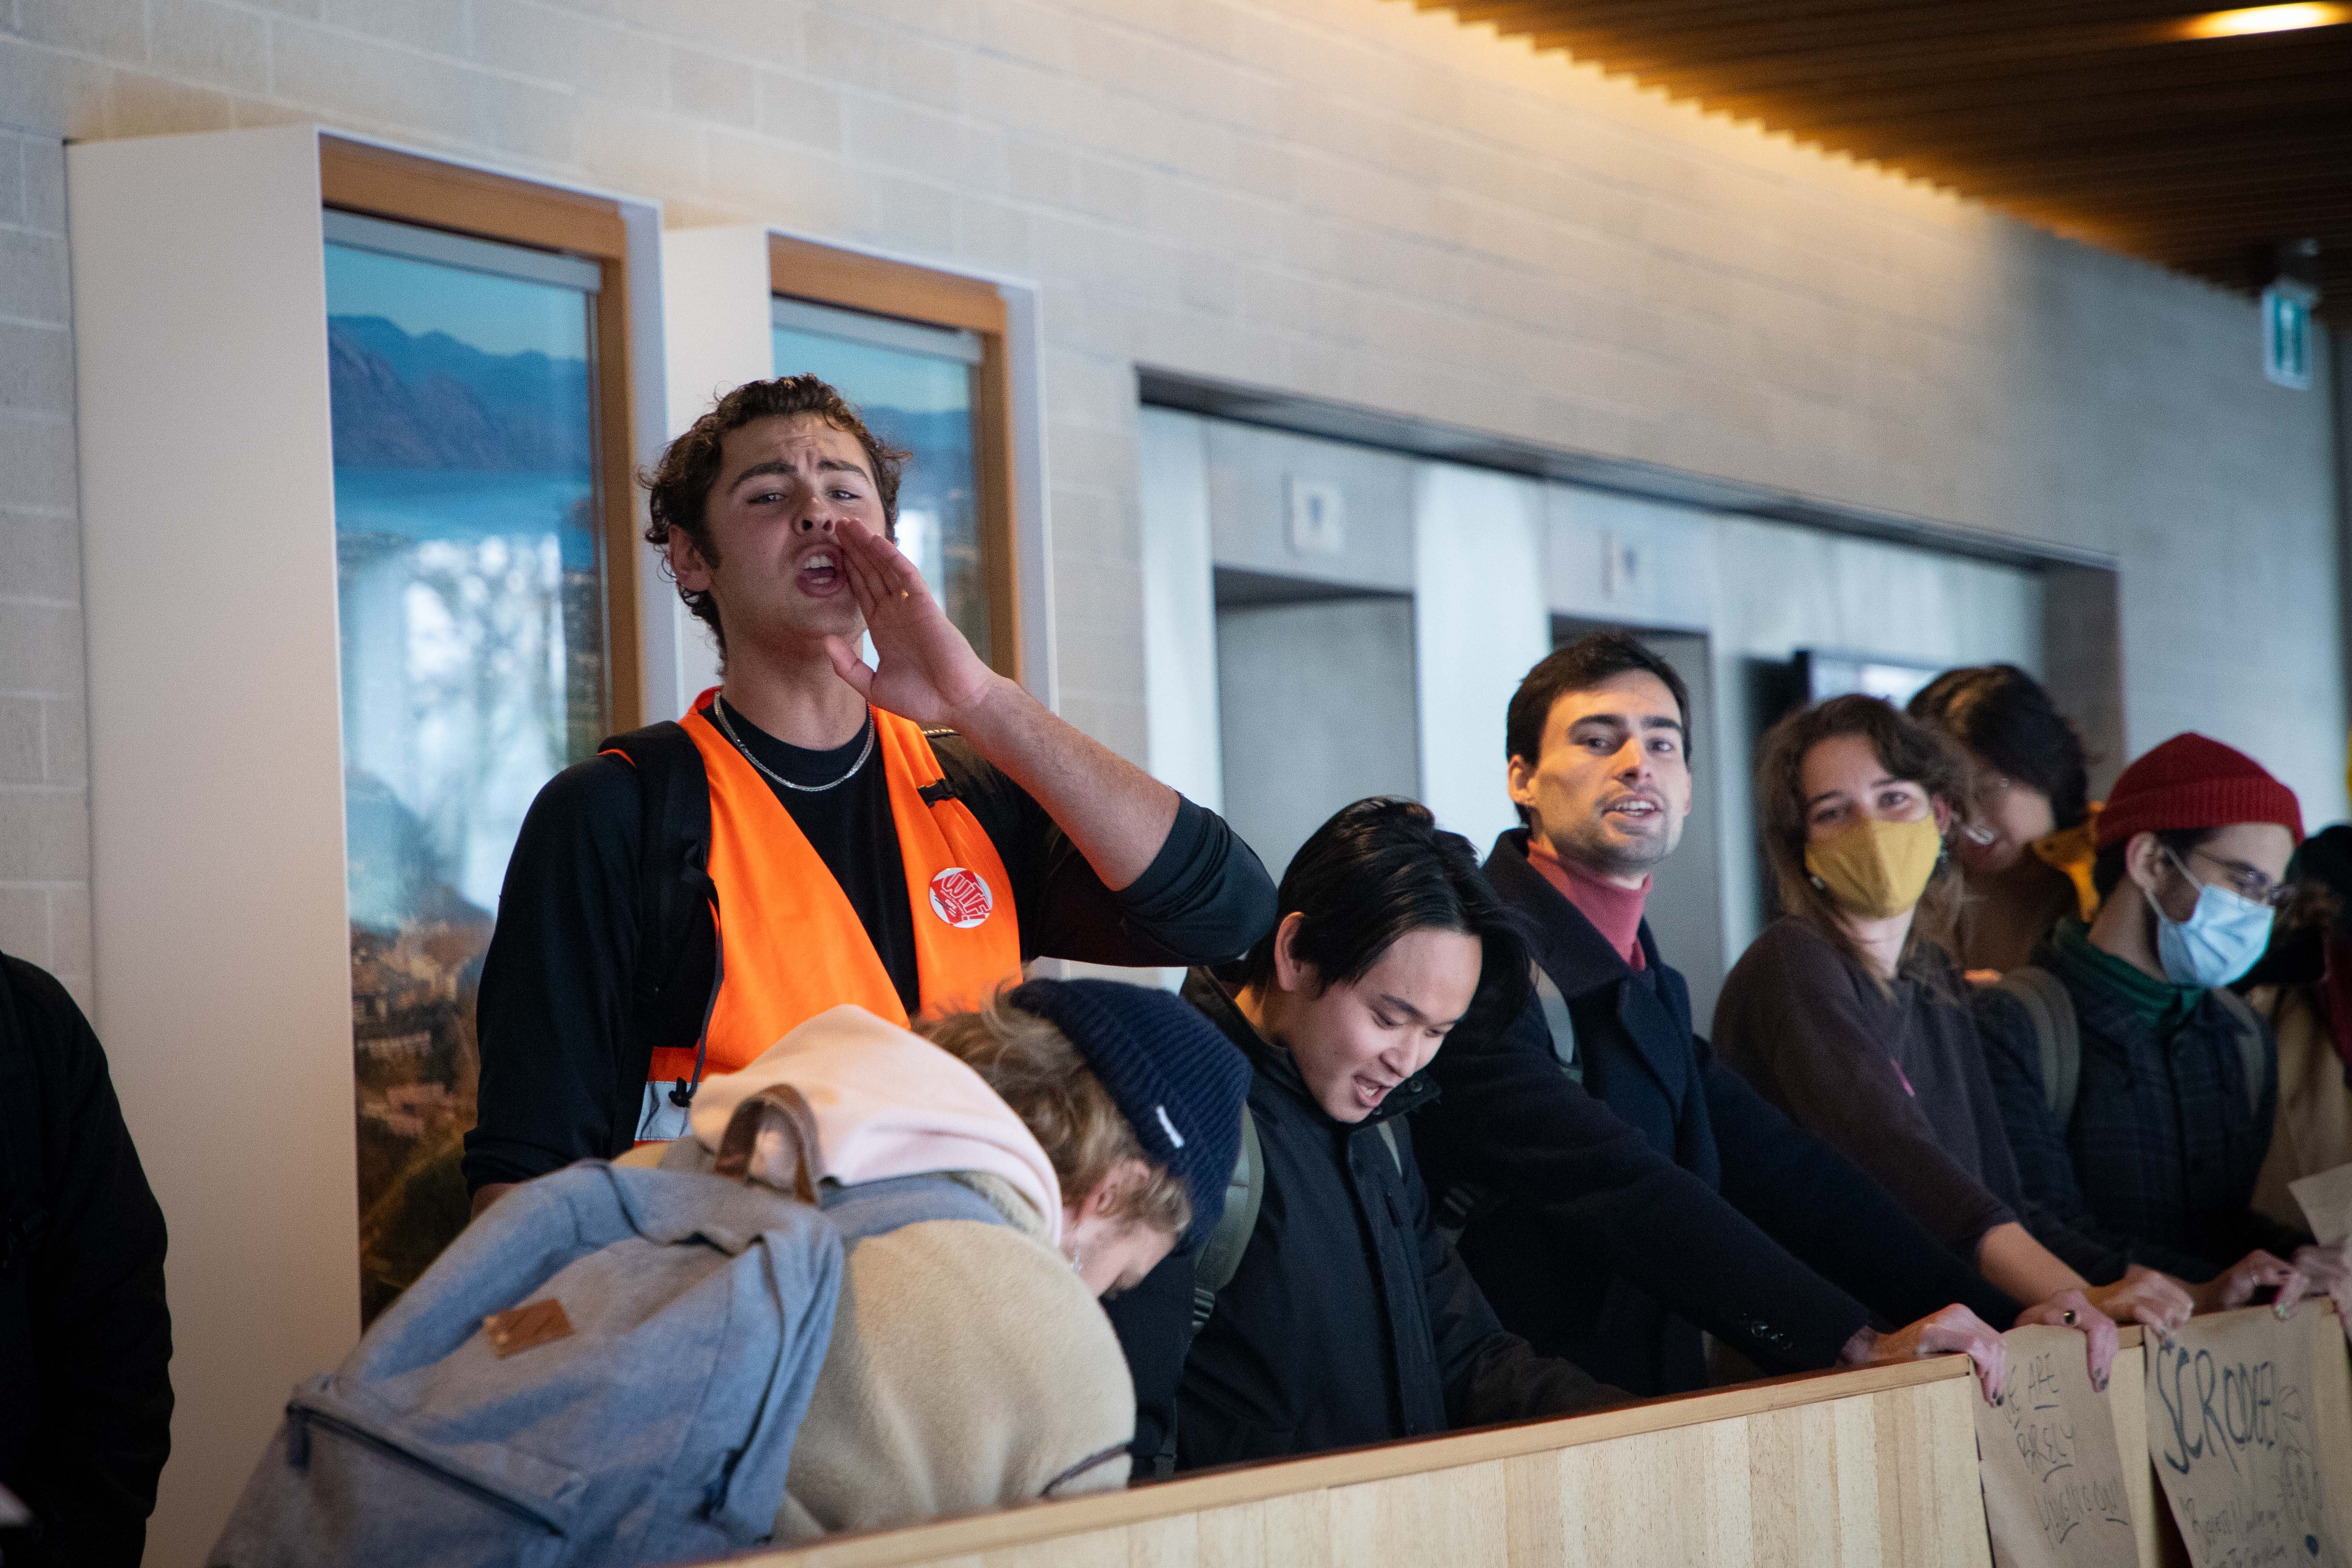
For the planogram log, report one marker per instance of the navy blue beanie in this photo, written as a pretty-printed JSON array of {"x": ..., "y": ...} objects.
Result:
[{"x": 1178, "y": 1082}]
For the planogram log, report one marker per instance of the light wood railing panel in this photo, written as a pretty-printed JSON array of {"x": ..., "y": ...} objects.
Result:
[{"x": 1874, "y": 1467}]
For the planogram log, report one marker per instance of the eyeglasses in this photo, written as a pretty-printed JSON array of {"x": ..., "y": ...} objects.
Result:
[
  {"x": 1985, "y": 794},
  {"x": 2247, "y": 883}
]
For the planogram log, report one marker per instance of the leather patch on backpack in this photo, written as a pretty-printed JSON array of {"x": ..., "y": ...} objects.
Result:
[{"x": 534, "y": 1323}]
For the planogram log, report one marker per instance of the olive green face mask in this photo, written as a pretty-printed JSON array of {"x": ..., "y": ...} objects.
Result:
[{"x": 1877, "y": 868}]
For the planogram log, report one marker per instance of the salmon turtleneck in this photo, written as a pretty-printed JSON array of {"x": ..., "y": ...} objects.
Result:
[{"x": 1615, "y": 912}]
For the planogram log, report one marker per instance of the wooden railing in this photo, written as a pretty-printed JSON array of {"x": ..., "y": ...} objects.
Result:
[{"x": 1878, "y": 1465}]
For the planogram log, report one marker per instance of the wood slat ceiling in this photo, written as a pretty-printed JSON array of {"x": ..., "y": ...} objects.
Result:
[{"x": 2094, "y": 118}]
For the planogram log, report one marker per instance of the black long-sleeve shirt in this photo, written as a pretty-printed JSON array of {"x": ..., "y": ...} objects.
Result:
[
  {"x": 553, "y": 1012},
  {"x": 85, "y": 1334},
  {"x": 2156, "y": 1165},
  {"x": 1894, "y": 1078}
]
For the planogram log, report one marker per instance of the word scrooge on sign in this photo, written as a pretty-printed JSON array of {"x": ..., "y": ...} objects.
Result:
[
  {"x": 2054, "y": 1476},
  {"x": 2233, "y": 1430}
]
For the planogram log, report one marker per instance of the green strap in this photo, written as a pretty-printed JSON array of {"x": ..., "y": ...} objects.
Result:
[
  {"x": 1221, "y": 1255},
  {"x": 2056, "y": 1031}
]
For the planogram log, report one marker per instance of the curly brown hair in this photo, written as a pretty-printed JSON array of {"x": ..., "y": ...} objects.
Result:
[
  {"x": 1034, "y": 1069},
  {"x": 679, "y": 485},
  {"x": 1907, "y": 749}
]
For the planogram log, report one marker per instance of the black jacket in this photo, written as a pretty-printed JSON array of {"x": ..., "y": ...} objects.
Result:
[
  {"x": 2159, "y": 1161},
  {"x": 85, "y": 1337},
  {"x": 563, "y": 1044},
  {"x": 1350, "y": 1321},
  {"x": 1664, "y": 1195}
]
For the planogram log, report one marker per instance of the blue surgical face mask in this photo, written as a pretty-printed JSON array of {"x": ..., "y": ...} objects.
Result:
[{"x": 2219, "y": 942}]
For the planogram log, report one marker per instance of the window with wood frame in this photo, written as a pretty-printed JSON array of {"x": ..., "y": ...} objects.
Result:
[
  {"x": 486, "y": 540},
  {"x": 923, "y": 355}
]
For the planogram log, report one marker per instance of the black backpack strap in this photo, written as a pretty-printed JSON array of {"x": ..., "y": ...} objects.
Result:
[
  {"x": 1467, "y": 1200},
  {"x": 676, "y": 898},
  {"x": 1221, "y": 1255}
]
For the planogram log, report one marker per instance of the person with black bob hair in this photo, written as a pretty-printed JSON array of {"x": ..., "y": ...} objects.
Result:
[
  {"x": 2025, "y": 840},
  {"x": 1348, "y": 1317}
]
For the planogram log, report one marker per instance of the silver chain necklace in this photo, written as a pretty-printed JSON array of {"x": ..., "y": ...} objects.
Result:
[{"x": 719, "y": 710}]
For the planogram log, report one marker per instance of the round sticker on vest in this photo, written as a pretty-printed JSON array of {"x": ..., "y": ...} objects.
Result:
[{"x": 960, "y": 898}]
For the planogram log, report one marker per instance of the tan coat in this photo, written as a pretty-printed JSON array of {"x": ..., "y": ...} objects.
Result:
[
  {"x": 2313, "y": 1130},
  {"x": 970, "y": 1367}
]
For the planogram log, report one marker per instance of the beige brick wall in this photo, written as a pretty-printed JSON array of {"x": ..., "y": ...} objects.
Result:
[
  {"x": 43, "y": 758},
  {"x": 1353, "y": 200}
]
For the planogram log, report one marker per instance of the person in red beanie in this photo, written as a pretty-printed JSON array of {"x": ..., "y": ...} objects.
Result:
[{"x": 2139, "y": 1093}]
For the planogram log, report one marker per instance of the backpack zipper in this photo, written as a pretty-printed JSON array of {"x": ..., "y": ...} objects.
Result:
[{"x": 300, "y": 1418}]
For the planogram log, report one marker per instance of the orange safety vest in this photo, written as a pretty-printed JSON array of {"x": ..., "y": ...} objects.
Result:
[{"x": 790, "y": 945}]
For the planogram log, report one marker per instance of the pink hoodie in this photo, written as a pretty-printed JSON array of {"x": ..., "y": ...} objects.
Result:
[{"x": 888, "y": 1103}]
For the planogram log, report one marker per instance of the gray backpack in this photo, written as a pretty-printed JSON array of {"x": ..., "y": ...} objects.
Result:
[
  {"x": 609, "y": 1367},
  {"x": 2058, "y": 1035}
]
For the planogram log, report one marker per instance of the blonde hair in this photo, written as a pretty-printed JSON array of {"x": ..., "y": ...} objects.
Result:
[{"x": 1034, "y": 1069}]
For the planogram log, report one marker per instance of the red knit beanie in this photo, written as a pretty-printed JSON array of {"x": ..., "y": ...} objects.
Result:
[{"x": 2192, "y": 781}]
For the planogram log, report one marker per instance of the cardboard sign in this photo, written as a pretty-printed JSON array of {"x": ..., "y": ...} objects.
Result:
[
  {"x": 2232, "y": 1433},
  {"x": 2326, "y": 1201},
  {"x": 2053, "y": 1478}
]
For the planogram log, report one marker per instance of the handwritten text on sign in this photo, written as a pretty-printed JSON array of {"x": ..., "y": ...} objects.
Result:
[
  {"x": 2229, "y": 1430},
  {"x": 2053, "y": 1478}
]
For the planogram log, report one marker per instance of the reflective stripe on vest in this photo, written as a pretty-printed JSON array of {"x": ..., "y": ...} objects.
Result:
[{"x": 790, "y": 943}]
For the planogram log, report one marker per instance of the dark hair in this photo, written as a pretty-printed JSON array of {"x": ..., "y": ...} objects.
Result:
[
  {"x": 1579, "y": 667},
  {"x": 679, "y": 484},
  {"x": 1376, "y": 870},
  {"x": 2107, "y": 865},
  {"x": 2004, "y": 716},
  {"x": 1908, "y": 749}
]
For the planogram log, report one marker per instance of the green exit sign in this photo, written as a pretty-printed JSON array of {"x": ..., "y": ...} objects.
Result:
[{"x": 2286, "y": 334}]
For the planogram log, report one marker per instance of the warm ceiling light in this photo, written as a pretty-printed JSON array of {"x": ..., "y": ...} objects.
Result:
[{"x": 2262, "y": 19}]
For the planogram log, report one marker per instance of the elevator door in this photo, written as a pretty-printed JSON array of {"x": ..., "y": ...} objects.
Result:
[
  {"x": 1685, "y": 907},
  {"x": 1315, "y": 708}
]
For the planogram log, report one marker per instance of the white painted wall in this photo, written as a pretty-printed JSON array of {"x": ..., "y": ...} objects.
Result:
[
  {"x": 43, "y": 687},
  {"x": 1479, "y": 622},
  {"x": 715, "y": 337},
  {"x": 1355, "y": 200},
  {"x": 1180, "y": 610},
  {"x": 216, "y": 801},
  {"x": 220, "y": 930}
]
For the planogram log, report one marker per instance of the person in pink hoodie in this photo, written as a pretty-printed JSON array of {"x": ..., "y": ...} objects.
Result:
[{"x": 1071, "y": 1134}]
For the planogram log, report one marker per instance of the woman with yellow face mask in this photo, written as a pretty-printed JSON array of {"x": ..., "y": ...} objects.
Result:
[{"x": 1850, "y": 1014}]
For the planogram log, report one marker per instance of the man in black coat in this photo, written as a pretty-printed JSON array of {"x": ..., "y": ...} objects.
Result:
[
  {"x": 1349, "y": 1319},
  {"x": 85, "y": 1337},
  {"x": 1622, "y": 1190}
]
